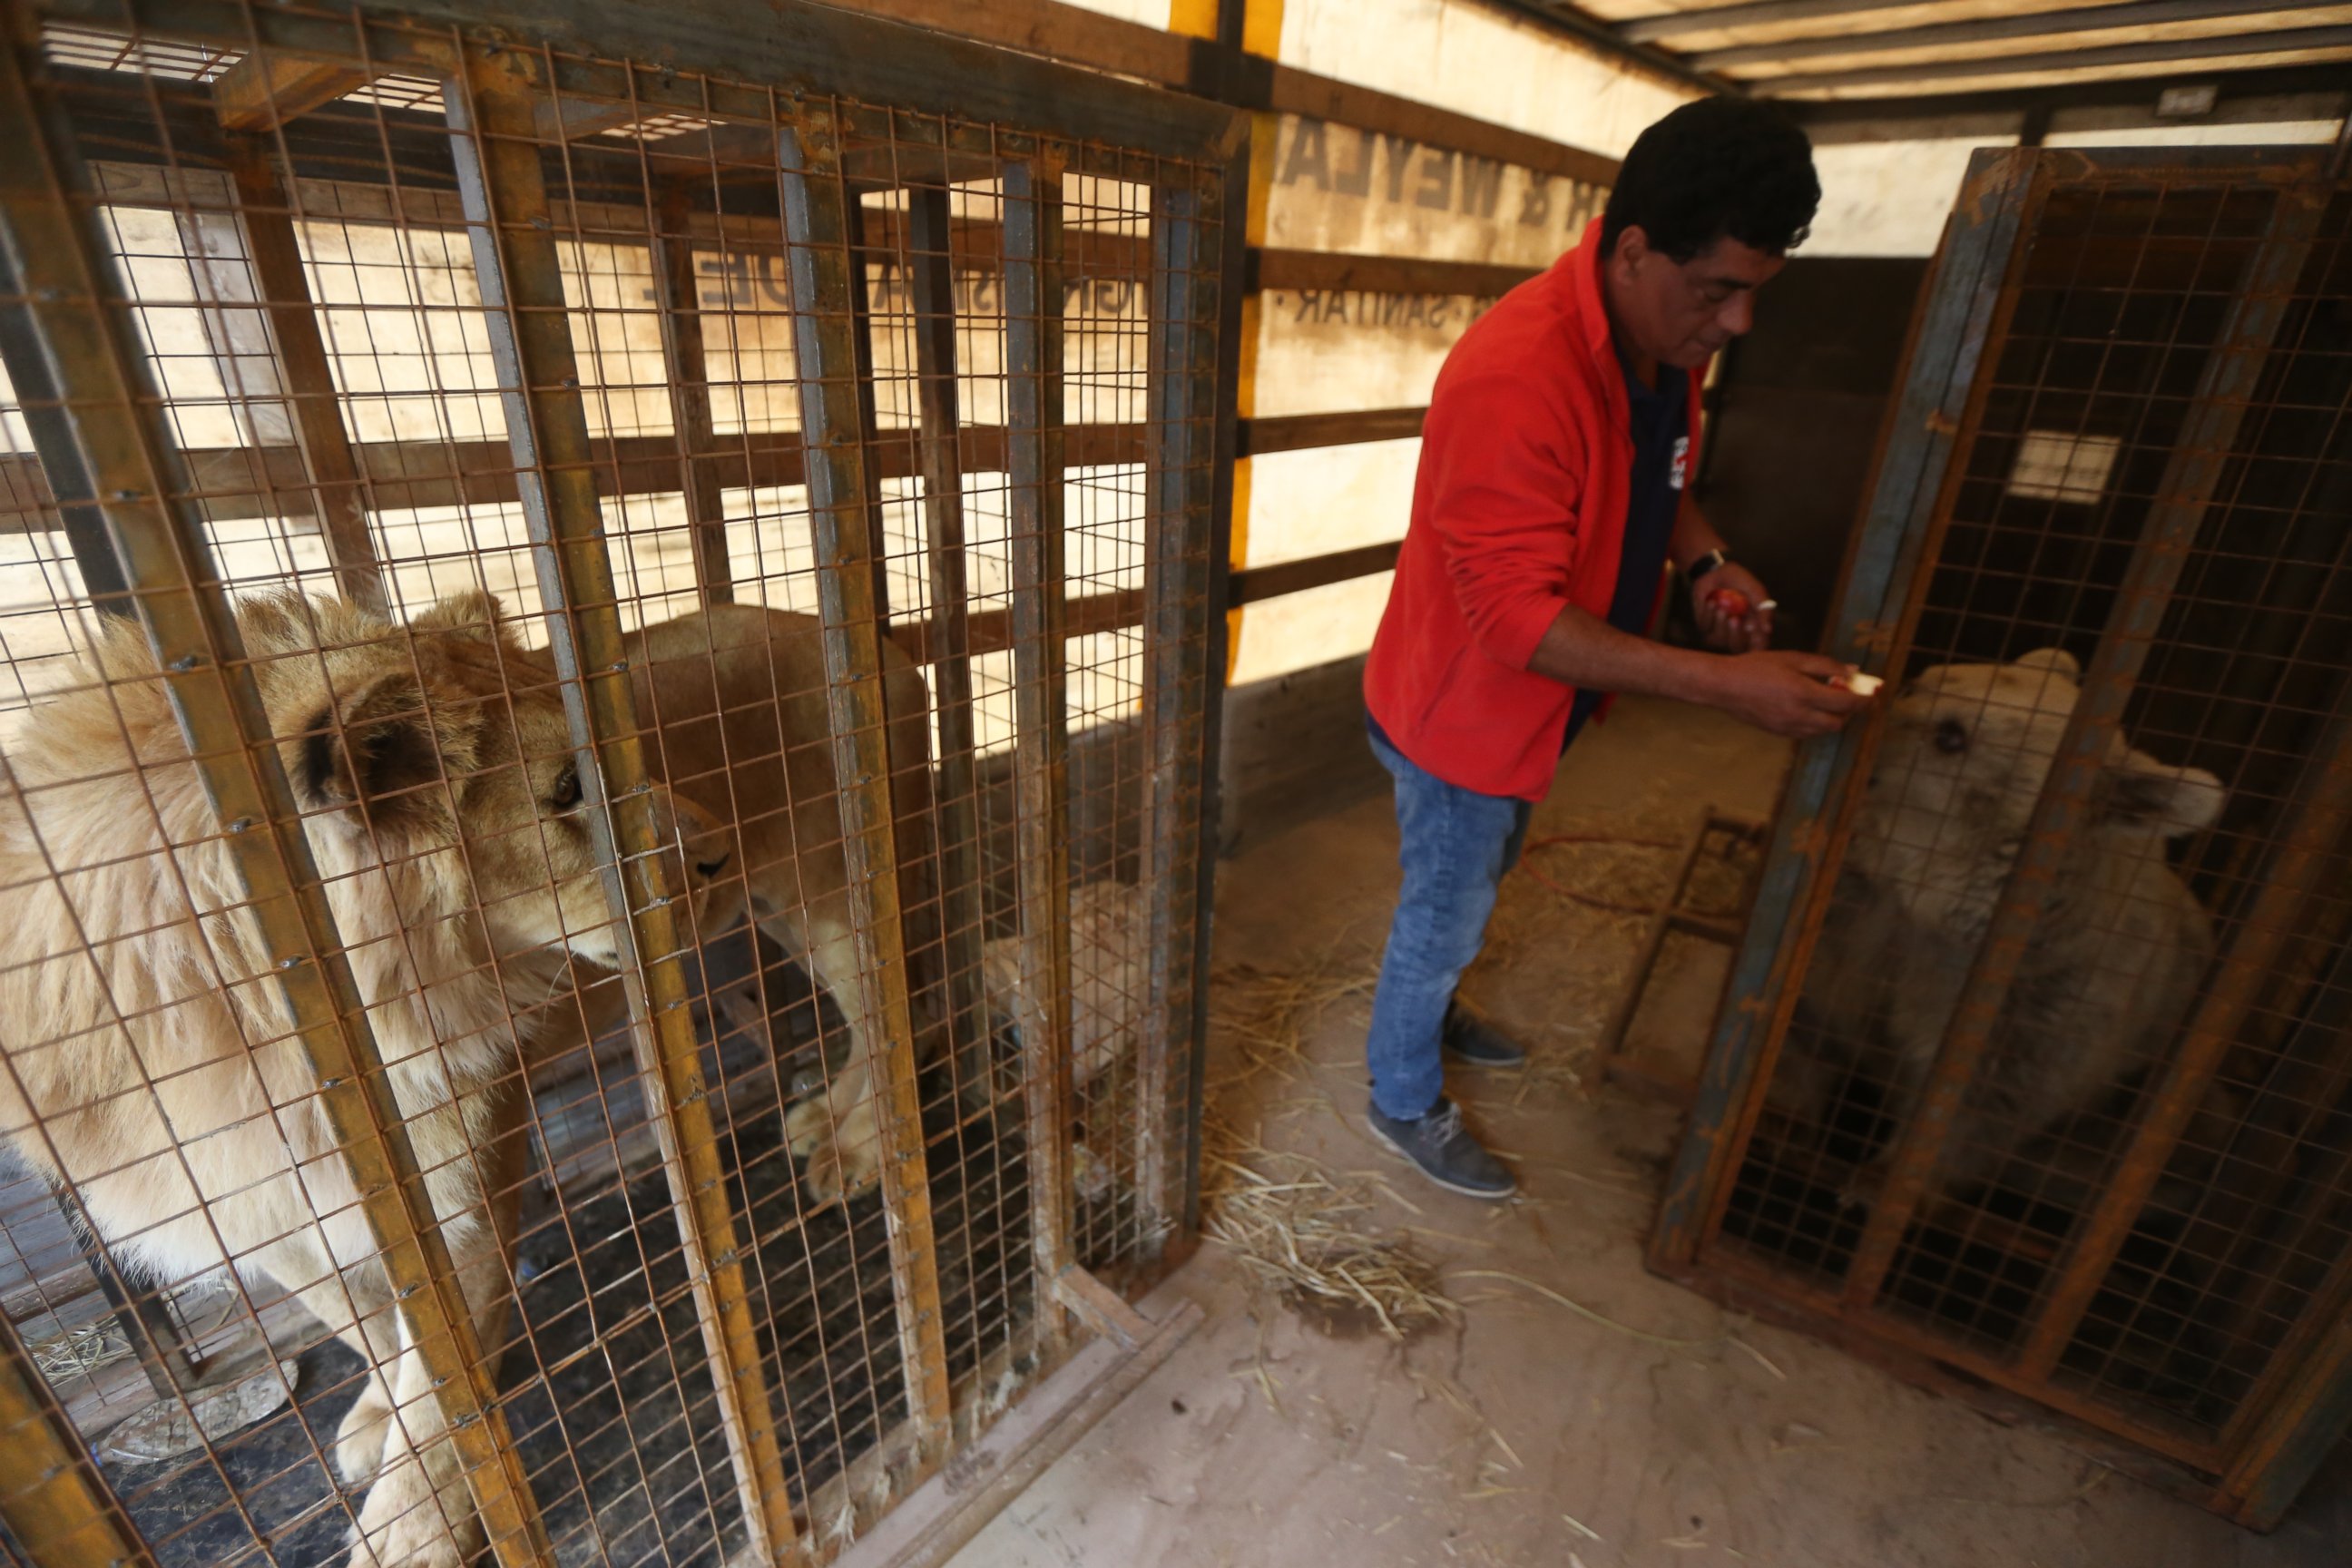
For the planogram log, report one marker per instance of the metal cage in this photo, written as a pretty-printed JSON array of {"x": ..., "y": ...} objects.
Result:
[
  {"x": 608, "y": 615},
  {"x": 2034, "y": 1066}
]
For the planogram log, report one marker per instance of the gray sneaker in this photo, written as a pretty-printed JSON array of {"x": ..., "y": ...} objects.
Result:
[
  {"x": 1474, "y": 1042},
  {"x": 1436, "y": 1143}
]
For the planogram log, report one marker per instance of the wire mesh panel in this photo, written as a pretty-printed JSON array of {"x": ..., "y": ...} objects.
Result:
[
  {"x": 2037, "y": 1060},
  {"x": 603, "y": 766}
]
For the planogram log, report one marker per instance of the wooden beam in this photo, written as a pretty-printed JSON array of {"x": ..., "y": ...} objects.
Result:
[
  {"x": 263, "y": 91},
  {"x": 1611, "y": 44},
  {"x": 1320, "y": 98},
  {"x": 569, "y": 119},
  {"x": 688, "y": 364},
  {"x": 2194, "y": 53},
  {"x": 1385, "y": 274},
  {"x": 1154, "y": 54},
  {"x": 330, "y": 467},
  {"x": 1720, "y": 18},
  {"x": 2240, "y": 98},
  {"x": 1986, "y": 29},
  {"x": 1254, "y": 584},
  {"x": 1300, "y": 432}
]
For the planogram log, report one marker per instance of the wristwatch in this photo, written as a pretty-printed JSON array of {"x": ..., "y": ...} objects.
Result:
[{"x": 1705, "y": 565}]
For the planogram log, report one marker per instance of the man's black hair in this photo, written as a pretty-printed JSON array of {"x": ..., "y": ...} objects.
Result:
[{"x": 1716, "y": 168}]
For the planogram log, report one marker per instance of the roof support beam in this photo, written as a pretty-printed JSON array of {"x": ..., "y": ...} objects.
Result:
[
  {"x": 2170, "y": 51},
  {"x": 2238, "y": 89},
  {"x": 1757, "y": 12},
  {"x": 1613, "y": 43},
  {"x": 1988, "y": 29},
  {"x": 262, "y": 91}
]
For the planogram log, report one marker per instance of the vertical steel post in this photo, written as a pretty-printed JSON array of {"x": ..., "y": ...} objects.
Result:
[
  {"x": 111, "y": 417},
  {"x": 678, "y": 292},
  {"x": 1958, "y": 305},
  {"x": 931, "y": 265},
  {"x": 1041, "y": 753},
  {"x": 56, "y": 1506},
  {"x": 2305, "y": 1401},
  {"x": 1180, "y": 487},
  {"x": 823, "y": 323},
  {"x": 861, "y": 351},
  {"x": 61, "y": 466},
  {"x": 308, "y": 377},
  {"x": 2201, "y": 452},
  {"x": 1238, "y": 182},
  {"x": 491, "y": 103}
]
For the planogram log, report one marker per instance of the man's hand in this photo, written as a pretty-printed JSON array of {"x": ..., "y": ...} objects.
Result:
[
  {"x": 1787, "y": 693},
  {"x": 1743, "y": 632}
]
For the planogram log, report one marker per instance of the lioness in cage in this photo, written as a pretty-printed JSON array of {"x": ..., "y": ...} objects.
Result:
[
  {"x": 151, "y": 1066},
  {"x": 2115, "y": 962}
]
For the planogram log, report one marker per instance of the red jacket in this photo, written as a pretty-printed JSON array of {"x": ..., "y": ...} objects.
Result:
[{"x": 1526, "y": 472}]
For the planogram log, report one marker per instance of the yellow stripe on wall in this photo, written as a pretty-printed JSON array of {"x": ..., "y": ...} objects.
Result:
[{"x": 1261, "y": 36}]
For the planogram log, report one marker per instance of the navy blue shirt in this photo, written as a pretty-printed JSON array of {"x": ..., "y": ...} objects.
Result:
[{"x": 1661, "y": 447}]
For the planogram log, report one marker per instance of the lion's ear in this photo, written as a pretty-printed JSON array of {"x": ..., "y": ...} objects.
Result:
[
  {"x": 379, "y": 746},
  {"x": 472, "y": 614}
]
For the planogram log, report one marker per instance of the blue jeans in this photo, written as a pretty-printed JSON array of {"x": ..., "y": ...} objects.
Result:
[{"x": 1454, "y": 844}]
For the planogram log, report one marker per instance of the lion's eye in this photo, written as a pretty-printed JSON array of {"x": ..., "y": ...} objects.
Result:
[
  {"x": 567, "y": 789},
  {"x": 1951, "y": 737}
]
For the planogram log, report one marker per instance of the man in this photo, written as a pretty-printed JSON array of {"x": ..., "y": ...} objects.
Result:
[{"x": 1548, "y": 501}]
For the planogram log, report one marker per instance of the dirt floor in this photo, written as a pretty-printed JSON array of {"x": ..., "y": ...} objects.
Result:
[{"x": 1576, "y": 1411}]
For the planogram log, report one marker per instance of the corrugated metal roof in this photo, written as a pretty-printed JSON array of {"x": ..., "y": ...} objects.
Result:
[{"x": 1824, "y": 50}]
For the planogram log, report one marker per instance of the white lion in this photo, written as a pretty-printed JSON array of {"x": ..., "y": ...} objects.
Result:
[
  {"x": 151, "y": 1064},
  {"x": 2114, "y": 964}
]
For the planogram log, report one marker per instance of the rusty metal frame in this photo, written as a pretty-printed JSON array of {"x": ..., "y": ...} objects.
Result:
[
  {"x": 55, "y": 1503},
  {"x": 1180, "y": 486},
  {"x": 678, "y": 297},
  {"x": 491, "y": 99},
  {"x": 815, "y": 198},
  {"x": 2252, "y": 1465},
  {"x": 1034, "y": 454},
  {"x": 2225, "y": 386},
  {"x": 782, "y": 47},
  {"x": 2316, "y": 825},
  {"x": 312, "y": 404},
  {"x": 956, "y": 800},
  {"x": 112, "y": 418},
  {"x": 1949, "y": 332}
]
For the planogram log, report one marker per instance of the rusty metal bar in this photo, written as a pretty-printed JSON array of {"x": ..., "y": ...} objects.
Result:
[
  {"x": 861, "y": 345},
  {"x": 1180, "y": 489},
  {"x": 795, "y": 46},
  {"x": 816, "y": 226},
  {"x": 2303, "y": 867},
  {"x": 52, "y": 435},
  {"x": 1034, "y": 450},
  {"x": 153, "y": 1335},
  {"x": 1955, "y": 317},
  {"x": 679, "y": 295},
  {"x": 55, "y": 1504},
  {"x": 491, "y": 99},
  {"x": 2201, "y": 452},
  {"x": 113, "y": 418},
  {"x": 2305, "y": 1398},
  {"x": 308, "y": 378},
  {"x": 948, "y": 633},
  {"x": 1611, "y": 1044}
]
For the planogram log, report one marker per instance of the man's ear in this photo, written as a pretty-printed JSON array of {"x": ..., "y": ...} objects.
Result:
[
  {"x": 1633, "y": 245},
  {"x": 378, "y": 745}
]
